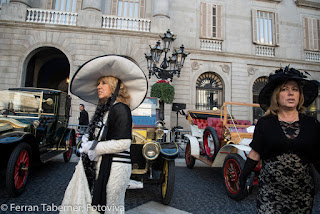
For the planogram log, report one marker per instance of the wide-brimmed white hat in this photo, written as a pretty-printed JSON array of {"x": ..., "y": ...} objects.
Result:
[{"x": 84, "y": 81}]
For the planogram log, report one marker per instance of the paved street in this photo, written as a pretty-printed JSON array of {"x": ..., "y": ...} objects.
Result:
[{"x": 199, "y": 190}]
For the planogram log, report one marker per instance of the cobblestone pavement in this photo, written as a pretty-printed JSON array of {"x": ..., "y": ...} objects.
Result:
[{"x": 199, "y": 190}]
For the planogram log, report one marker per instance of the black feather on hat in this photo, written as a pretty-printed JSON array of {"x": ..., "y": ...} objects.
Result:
[{"x": 309, "y": 87}]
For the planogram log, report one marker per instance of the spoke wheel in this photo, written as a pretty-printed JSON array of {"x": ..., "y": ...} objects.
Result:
[
  {"x": 190, "y": 161},
  {"x": 231, "y": 173},
  {"x": 168, "y": 179},
  {"x": 69, "y": 144},
  {"x": 18, "y": 169},
  {"x": 211, "y": 142}
]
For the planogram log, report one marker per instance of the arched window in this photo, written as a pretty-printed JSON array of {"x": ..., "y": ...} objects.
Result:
[
  {"x": 256, "y": 88},
  {"x": 313, "y": 110},
  {"x": 209, "y": 89}
]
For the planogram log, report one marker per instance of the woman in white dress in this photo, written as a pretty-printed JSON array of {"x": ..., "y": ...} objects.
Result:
[{"x": 118, "y": 86}]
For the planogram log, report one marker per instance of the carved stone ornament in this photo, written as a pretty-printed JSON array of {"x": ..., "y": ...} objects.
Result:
[
  {"x": 225, "y": 68},
  {"x": 252, "y": 70},
  {"x": 195, "y": 66}
]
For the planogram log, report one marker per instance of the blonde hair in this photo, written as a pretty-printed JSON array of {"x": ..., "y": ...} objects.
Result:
[
  {"x": 123, "y": 95},
  {"x": 274, "y": 106}
]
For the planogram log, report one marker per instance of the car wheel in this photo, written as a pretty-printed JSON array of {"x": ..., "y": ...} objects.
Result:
[
  {"x": 211, "y": 142},
  {"x": 18, "y": 169},
  {"x": 167, "y": 181},
  {"x": 67, "y": 155},
  {"x": 190, "y": 161},
  {"x": 231, "y": 173}
]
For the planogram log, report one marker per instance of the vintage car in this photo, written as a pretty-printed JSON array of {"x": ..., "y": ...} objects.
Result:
[
  {"x": 33, "y": 128},
  {"x": 151, "y": 156},
  {"x": 220, "y": 140}
]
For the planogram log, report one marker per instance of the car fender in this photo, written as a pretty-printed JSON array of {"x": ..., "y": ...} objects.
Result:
[
  {"x": 194, "y": 145},
  {"x": 242, "y": 150},
  {"x": 15, "y": 136}
]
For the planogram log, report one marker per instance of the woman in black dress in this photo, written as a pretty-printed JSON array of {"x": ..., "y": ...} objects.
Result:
[{"x": 288, "y": 142}]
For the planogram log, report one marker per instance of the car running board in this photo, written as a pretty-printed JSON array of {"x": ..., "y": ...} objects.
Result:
[{"x": 50, "y": 155}]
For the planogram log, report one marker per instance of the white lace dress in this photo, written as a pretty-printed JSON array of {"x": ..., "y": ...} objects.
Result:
[{"x": 77, "y": 197}]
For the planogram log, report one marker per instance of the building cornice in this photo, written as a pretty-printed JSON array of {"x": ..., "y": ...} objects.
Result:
[{"x": 310, "y": 4}]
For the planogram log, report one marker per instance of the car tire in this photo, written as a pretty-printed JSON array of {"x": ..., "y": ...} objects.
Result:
[
  {"x": 232, "y": 166},
  {"x": 190, "y": 161},
  {"x": 167, "y": 181},
  {"x": 69, "y": 141},
  {"x": 18, "y": 169},
  {"x": 211, "y": 142}
]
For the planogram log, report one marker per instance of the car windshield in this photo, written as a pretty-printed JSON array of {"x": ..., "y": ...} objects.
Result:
[{"x": 19, "y": 103}]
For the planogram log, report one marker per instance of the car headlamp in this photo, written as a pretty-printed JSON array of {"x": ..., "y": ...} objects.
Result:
[
  {"x": 150, "y": 150},
  {"x": 159, "y": 130}
]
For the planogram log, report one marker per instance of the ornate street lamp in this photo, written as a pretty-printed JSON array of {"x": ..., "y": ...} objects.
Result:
[{"x": 169, "y": 67}]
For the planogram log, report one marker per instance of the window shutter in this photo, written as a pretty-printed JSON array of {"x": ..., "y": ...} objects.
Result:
[
  {"x": 209, "y": 21},
  {"x": 114, "y": 7},
  {"x": 78, "y": 6},
  {"x": 254, "y": 26},
  {"x": 203, "y": 15},
  {"x": 219, "y": 22},
  {"x": 318, "y": 28},
  {"x": 276, "y": 29},
  {"x": 142, "y": 8},
  {"x": 315, "y": 37},
  {"x": 50, "y": 5},
  {"x": 306, "y": 33},
  {"x": 311, "y": 24}
]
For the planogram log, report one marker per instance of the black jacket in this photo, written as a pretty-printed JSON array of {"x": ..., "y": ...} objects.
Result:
[
  {"x": 84, "y": 118},
  {"x": 119, "y": 123},
  {"x": 269, "y": 139}
]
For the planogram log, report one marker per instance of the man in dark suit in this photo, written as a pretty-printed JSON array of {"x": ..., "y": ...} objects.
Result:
[{"x": 83, "y": 119}]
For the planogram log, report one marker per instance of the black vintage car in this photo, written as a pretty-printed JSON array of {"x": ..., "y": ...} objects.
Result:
[{"x": 33, "y": 128}]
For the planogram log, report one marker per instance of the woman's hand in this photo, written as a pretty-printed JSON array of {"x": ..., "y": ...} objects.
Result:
[
  {"x": 85, "y": 146},
  {"x": 93, "y": 155}
]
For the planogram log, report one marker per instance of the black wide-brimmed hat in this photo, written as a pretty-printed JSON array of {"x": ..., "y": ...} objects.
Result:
[
  {"x": 280, "y": 76},
  {"x": 84, "y": 81}
]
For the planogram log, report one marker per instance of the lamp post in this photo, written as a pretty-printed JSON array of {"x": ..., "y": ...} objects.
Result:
[{"x": 169, "y": 66}]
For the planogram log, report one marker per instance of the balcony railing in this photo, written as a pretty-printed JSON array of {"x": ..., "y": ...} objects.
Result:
[
  {"x": 51, "y": 16},
  {"x": 265, "y": 51},
  {"x": 312, "y": 56},
  {"x": 126, "y": 23},
  {"x": 210, "y": 45}
]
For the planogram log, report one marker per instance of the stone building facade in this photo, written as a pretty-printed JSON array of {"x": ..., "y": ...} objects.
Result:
[{"x": 233, "y": 44}]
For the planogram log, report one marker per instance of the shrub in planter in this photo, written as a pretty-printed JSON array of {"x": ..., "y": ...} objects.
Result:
[{"x": 163, "y": 90}]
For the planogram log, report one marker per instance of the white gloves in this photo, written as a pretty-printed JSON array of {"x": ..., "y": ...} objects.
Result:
[
  {"x": 93, "y": 155},
  {"x": 85, "y": 138},
  {"x": 85, "y": 146}
]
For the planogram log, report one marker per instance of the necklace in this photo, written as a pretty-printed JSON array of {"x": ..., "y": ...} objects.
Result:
[{"x": 288, "y": 121}]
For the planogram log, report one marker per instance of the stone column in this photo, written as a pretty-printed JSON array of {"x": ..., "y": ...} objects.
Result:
[
  {"x": 90, "y": 15},
  {"x": 16, "y": 10},
  {"x": 160, "y": 17}
]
